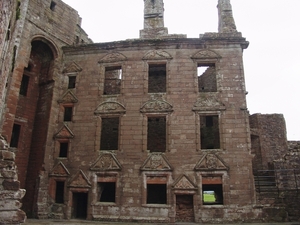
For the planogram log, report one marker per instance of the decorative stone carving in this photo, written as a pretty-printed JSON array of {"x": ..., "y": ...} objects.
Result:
[
  {"x": 64, "y": 133},
  {"x": 68, "y": 97},
  {"x": 113, "y": 57},
  {"x": 156, "y": 105},
  {"x": 110, "y": 107},
  {"x": 206, "y": 54},
  {"x": 106, "y": 161},
  {"x": 183, "y": 182},
  {"x": 156, "y": 161},
  {"x": 206, "y": 103},
  {"x": 157, "y": 55},
  {"x": 211, "y": 162},
  {"x": 80, "y": 181},
  {"x": 59, "y": 170},
  {"x": 72, "y": 68}
]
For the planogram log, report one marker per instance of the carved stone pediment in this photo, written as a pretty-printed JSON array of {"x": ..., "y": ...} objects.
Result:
[
  {"x": 113, "y": 57},
  {"x": 211, "y": 162},
  {"x": 156, "y": 105},
  {"x": 157, "y": 55},
  {"x": 80, "y": 181},
  {"x": 206, "y": 54},
  {"x": 68, "y": 97},
  {"x": 207, "y": 103},
  {"x": 59, "y": 170},
  {"x": 72, "y": 68},
  {"x": 110, "y": 107},
  {"x": 156, "y": 162},
  {"x": 184, "y": 183},
  {"x": 64, "y": 133},
  {"x": 107, "y": 162}
]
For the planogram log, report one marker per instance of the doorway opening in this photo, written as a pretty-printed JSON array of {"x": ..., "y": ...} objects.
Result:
[
  {"x": 79, "y": 210},
  {"x": 185, "y": 208}
]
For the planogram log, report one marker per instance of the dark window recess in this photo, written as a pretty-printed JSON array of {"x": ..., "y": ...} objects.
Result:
[
  {"x": 24, "y": 85},
  {"x": 107, "y": 191},
  {"x": 63, "y": 149},
  {"x": 52, "y": 5},
  {"x": 68, "y": 113},
  {"x": 156, "y": 135},
  {"x": 72, "y": 82},
  {"x": 59, "y": 192},
  {"x": 15, "y": 136},
  {"x": 156, "y": 194},
  {"x": 157, "y": 80},
  {"x": 207, "y": 78},
  {"x": 212, "y": 194},
  {"x": 112, "y": 82},
  {"x": 209, "y": 130},
  {"x": 110, "y": 134}
]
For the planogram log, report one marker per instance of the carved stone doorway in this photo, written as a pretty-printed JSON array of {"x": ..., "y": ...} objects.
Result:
[
  {"x": 184, "y": 208},
  {"x": 79, "y": 206}
]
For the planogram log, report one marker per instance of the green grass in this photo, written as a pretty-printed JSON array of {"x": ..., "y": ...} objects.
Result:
[{"x": 209, "y": 197}]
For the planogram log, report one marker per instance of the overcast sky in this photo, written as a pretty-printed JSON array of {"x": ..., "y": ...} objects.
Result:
[{"x": 271, "y": 62}]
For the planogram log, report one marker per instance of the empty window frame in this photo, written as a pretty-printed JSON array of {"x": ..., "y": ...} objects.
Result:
[
  {"x": 207, "y": 77},
  {"x": 107, "y": 191},
  {"x": 156, "y": 134},
  {"x": 110, "y": 134},
  {"x": 209, "y": 132},
  {"x": 156, "y": 190},
  {"x": 24, "y": 85},
  {"x": 14, "y": 141},
  {"x": 157, "y": 78},
  {"x": 52, "y": 5},
  {"x": 112, "y": 80},
  {"x": 63, "y": 149},
  {"x": 212, "y": 190},
  {"x": 59, "y": 192},
  {"x": 72, "y": 82},
  {"x": 68, "y": 112}
]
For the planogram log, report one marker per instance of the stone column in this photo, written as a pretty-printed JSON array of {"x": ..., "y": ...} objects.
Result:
[
  {"x": 226, "y": 20},
  {"x": 10, "y": 192}
]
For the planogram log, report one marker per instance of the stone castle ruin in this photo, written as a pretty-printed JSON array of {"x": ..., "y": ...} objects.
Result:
[{"x": 132, "y": 130}]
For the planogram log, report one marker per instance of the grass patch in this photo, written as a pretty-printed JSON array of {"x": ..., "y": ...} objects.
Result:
[{"x": 209, "y": 197}]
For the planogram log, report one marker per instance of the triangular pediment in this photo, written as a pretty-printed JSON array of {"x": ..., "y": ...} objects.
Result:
[
  {"x": 156, "y": 105},
  {"x": 208, "y": 103},
  {"x": 206, "y": 54},
  {"x": 184, "y": 183},
  {"x": 68, "y": 97},
  {"x": 72, "y": 68},
  {"x": 64, "y": 133},
  {"x": 211, "y": 162},
  {"x": 80, "y": 181},
  {"x": 157, "y": 55},
  {"x": 106, "y": 161},
  {"x": 110, "y": 107},
  {"x": 156, "y": 162},
  {"x": 113, "y": 57},
  {"x": 59, "y": 170}
]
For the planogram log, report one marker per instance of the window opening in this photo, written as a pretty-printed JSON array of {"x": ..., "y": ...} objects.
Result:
[
  {"x": 207, "y": 79},
  {"x": 63, "y": 149},
  {"x": 110, "y": 134},
  {"x": 68, "y": 113},
  {"x": 72, "y": 82},
  {"x": 156, "y": 194},
  {"x": 52, "y": 5},
  {"x": 157, "y": 80},
  {"x": 156, "y": 135},
  {"x": 212, "y": 190},
  {"x": 80, "y": 205},
  {"x": 24, "y": 85},
  {"x": 59, "y": 192},
  {"x": 15, "y": 136},
  {"x": 209, "y": 131},
  {"x": 112, "y": 82},
  {"x": 107, "y": 191}
]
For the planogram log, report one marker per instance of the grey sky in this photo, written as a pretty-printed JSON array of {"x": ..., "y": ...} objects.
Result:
[{"x": 271, "y": 62}]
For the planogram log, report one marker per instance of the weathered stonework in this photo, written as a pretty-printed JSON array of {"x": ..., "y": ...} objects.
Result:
[{"x": 129, "y": 131}]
